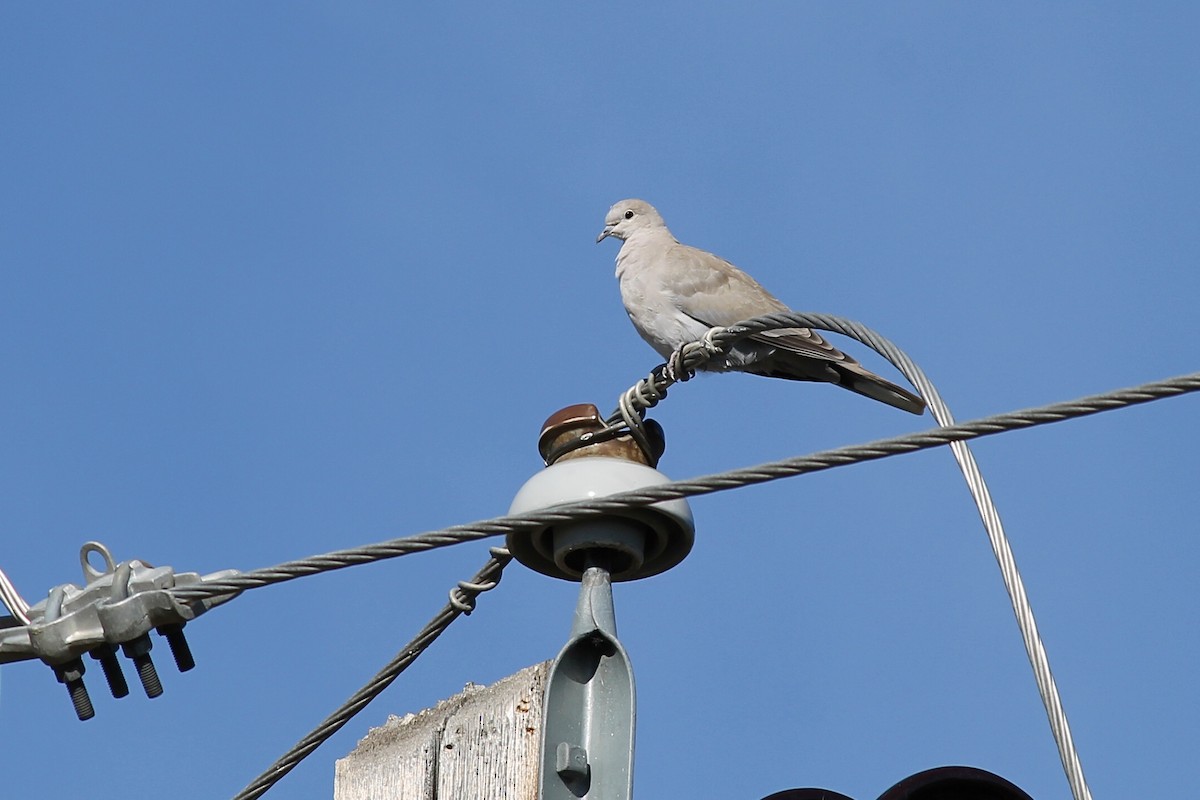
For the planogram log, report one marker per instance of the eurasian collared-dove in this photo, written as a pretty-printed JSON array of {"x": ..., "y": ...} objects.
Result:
[{"x": 675, "y": 293}]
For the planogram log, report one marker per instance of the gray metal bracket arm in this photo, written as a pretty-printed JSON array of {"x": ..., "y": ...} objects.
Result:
[{"x": 590, "y": 710}]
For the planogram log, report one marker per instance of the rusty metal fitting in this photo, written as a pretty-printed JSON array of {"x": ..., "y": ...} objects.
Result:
[
  {"x": 587, "y": 459},
  {"x": 563, "y": 431}
]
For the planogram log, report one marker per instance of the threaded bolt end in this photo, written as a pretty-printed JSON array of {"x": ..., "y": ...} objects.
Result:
[
  {"x": 81, "y": 701},
  {"x": 179, "y": 646},
  {"x": 107, "y": 656},
  {"x": 148, "y": 675}
]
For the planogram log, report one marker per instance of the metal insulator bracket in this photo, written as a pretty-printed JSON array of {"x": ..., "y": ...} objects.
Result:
[{"x": 590, "y": 709}]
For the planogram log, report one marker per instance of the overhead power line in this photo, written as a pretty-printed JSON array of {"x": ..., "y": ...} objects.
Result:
[
  {"x": 647, "y": 393},
  {"x": 486, "y": 577},
  {"x": 705, "y": 484},
  {"x": 629, "y": 419},
  {"x": 632, "y": 407}
]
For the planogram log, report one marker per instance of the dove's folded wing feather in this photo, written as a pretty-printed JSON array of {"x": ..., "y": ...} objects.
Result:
[{"x": 714, "y": 292}]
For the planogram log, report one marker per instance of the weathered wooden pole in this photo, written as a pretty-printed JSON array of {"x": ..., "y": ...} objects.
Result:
[{"x": 482, "y": 743}]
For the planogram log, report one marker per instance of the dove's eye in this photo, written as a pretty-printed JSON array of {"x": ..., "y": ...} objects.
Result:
[{"x": 628, "y": 215}]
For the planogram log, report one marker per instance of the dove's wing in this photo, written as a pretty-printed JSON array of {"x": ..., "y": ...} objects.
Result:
[{"x": 714, "y": 292}]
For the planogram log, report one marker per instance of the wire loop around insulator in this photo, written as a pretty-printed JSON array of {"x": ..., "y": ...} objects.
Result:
[{"x": 635, "y": 423}]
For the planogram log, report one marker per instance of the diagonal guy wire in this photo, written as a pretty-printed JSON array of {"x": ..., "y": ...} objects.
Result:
[{"x": 462, "y": 601}]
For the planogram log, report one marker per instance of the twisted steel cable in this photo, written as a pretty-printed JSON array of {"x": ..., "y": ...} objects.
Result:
[
  {"x": 681, "y": 367},
  {"x": 12, "y": 600},
  {"x": 651, "y": 390},
  {"x": 632, "y": 407},
  {"x": 705, "y": 484},
  {"x": 462, "y": 601},
  {"x": 462, "y": 598}
]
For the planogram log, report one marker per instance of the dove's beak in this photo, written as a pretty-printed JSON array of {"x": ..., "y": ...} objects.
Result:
[{"x": 604, "y": 234}]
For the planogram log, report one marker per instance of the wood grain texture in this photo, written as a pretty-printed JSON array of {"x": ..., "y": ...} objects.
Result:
[{"x": 482, "y": 743}]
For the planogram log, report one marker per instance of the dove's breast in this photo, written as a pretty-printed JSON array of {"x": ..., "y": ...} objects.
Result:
[{"x": 653, "y": 304}]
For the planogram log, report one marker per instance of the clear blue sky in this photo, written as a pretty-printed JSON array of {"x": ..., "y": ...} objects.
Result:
[{"x": 283, "y": 278}]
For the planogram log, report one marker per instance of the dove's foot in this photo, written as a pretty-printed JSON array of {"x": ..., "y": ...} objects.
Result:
[{"x": 675, "y": 370}]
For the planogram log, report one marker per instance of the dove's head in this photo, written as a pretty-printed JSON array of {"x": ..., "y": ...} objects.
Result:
[{"x": 628, "y": 217}]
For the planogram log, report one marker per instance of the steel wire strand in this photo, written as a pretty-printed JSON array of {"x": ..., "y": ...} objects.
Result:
[
  {"x": 462, "y": 601},
  {"x": 1023, "y": 611},
  {"x": 720, "y": 340},
  {"x": 704, "y": 484},
  {"x": 12, "y": 600},
  {"x": 1035, "y": 650}
]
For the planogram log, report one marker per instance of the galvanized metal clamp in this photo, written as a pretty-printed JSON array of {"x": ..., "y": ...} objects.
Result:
[{"x": 117, "y": 606}]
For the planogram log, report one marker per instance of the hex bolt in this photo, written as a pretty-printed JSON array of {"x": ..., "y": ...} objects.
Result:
[
  {"x": 571, "y": 764},
  {"x": 71, "y": 674},
  {"x": 178, "y": 644},
  {"x": 139, "y": 650},
  {"x": 106, "y": 654}
]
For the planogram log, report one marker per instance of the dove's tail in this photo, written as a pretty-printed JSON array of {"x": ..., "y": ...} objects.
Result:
[
  {"x": 837, "y": 368},
  {"x": 871, "y": 385},
  {"x": 848, "y": 374}
]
